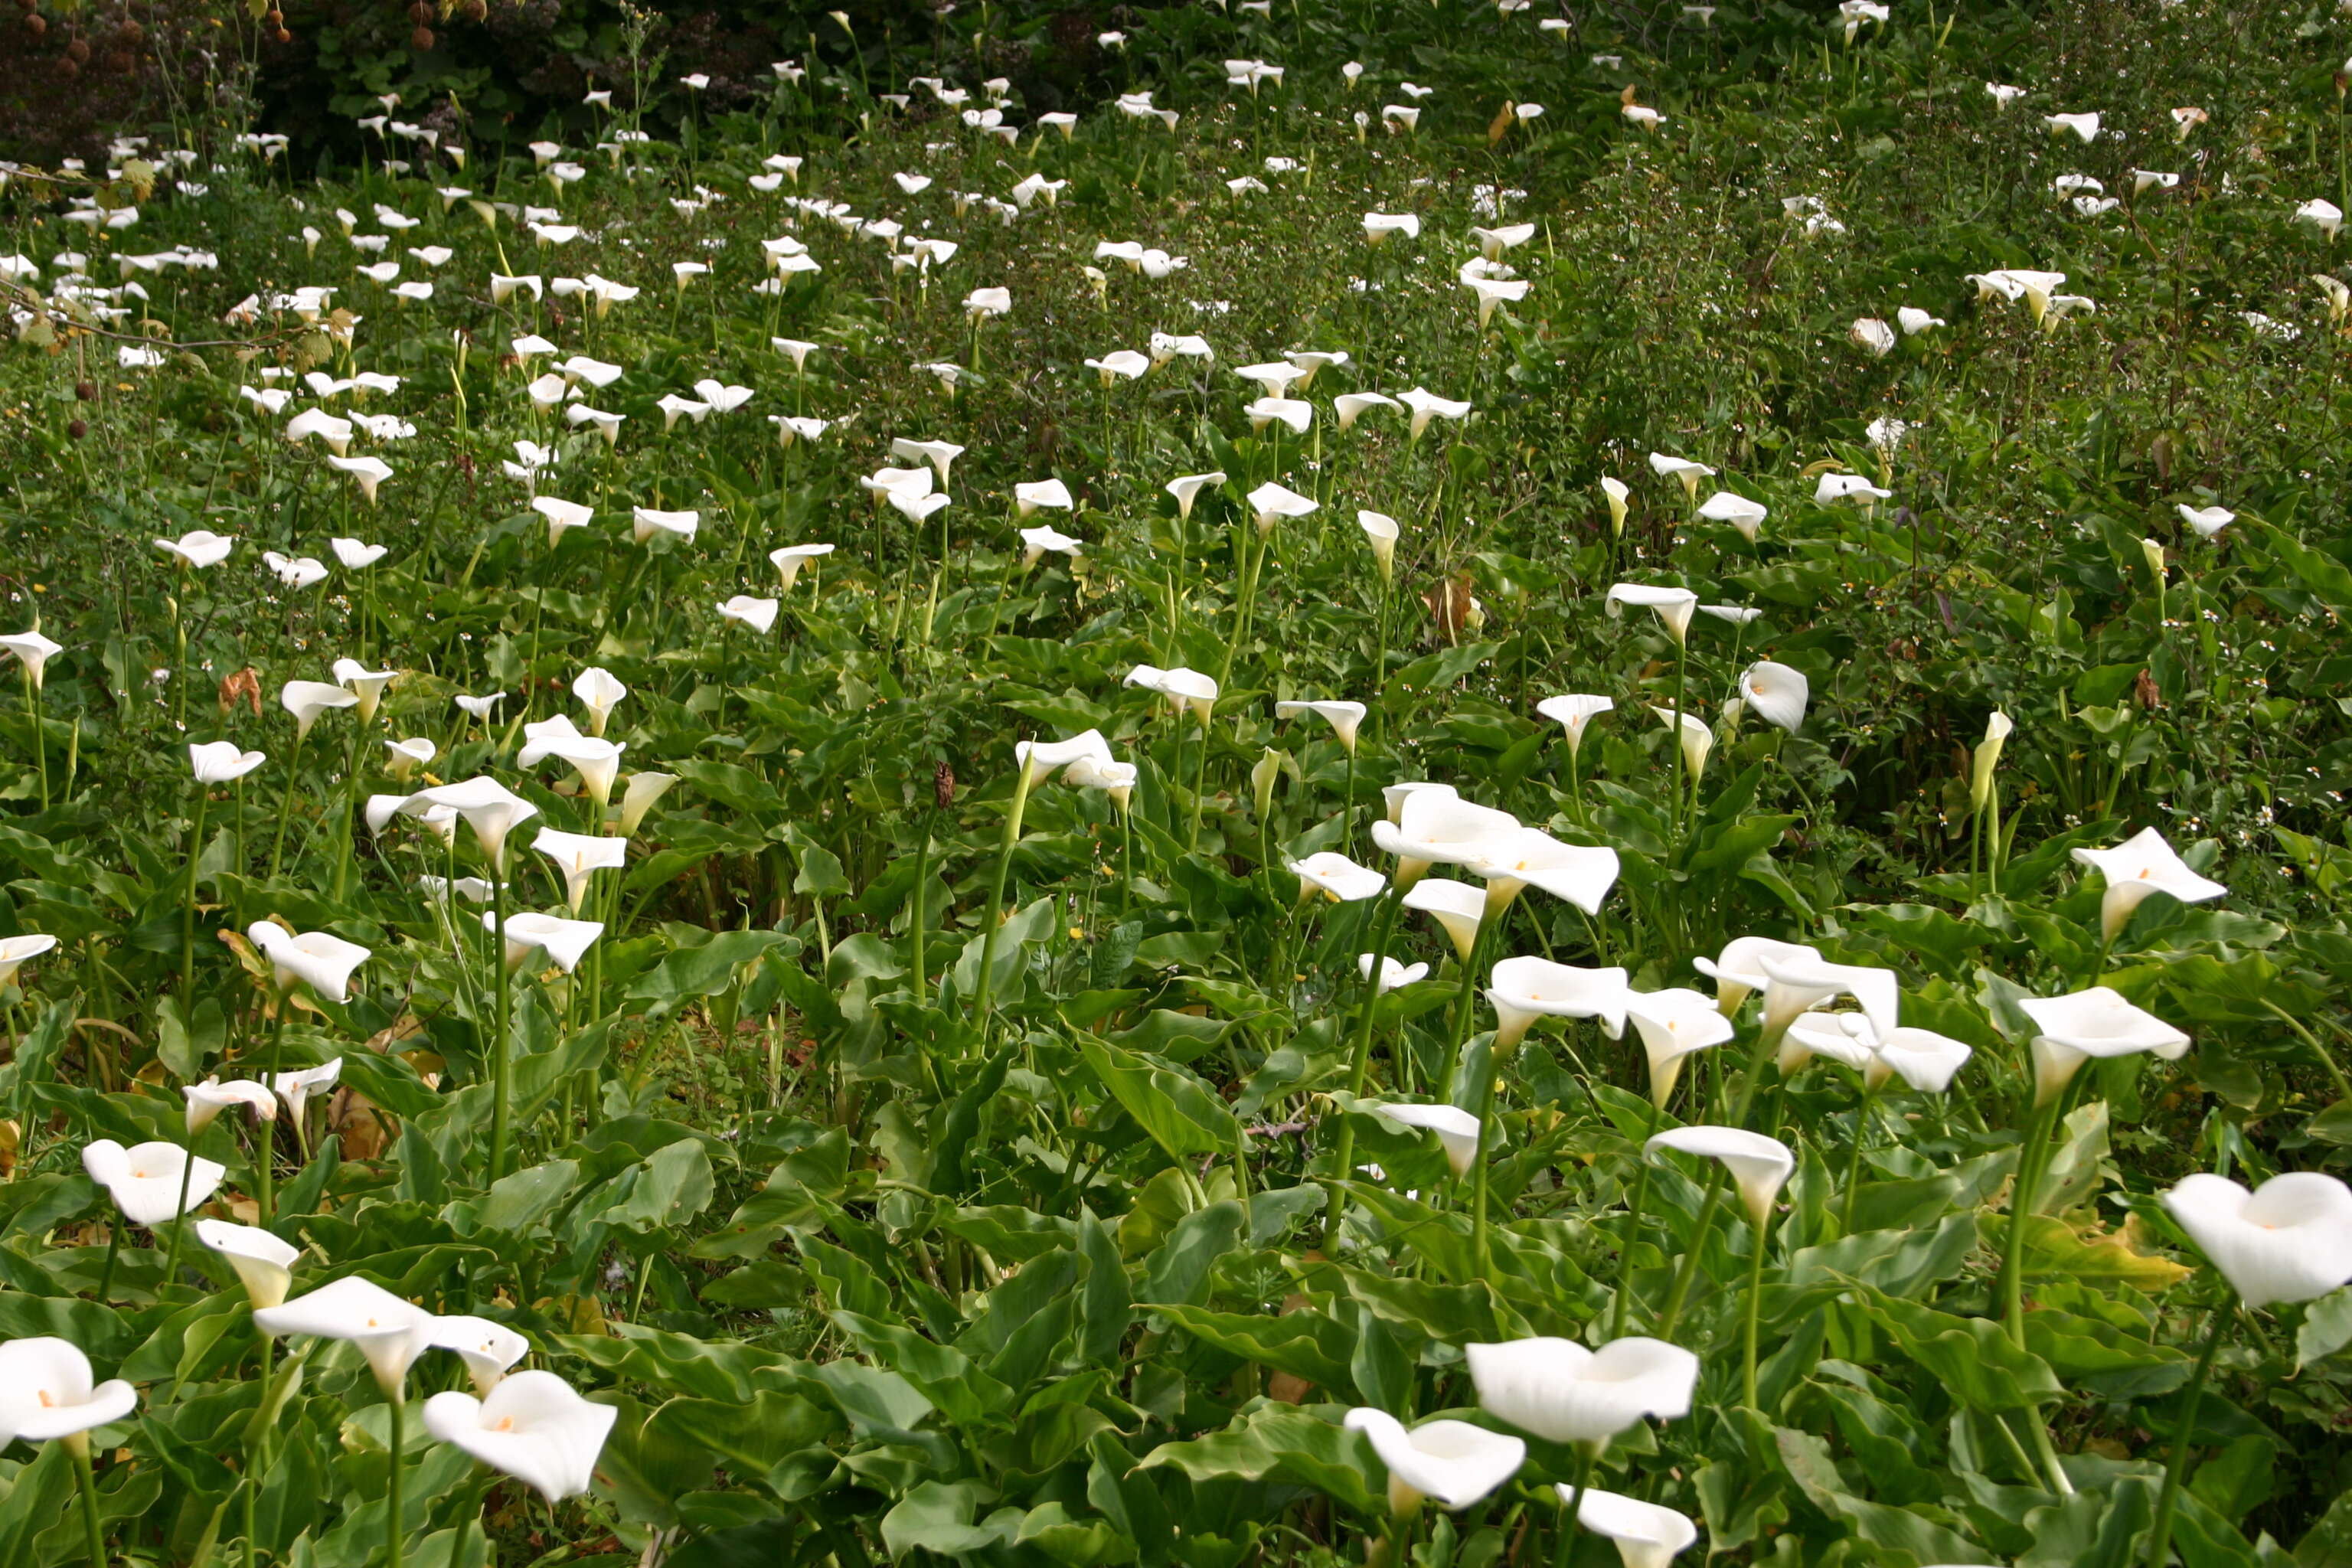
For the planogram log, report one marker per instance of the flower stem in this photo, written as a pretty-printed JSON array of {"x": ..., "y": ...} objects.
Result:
[
  {"x": 394, "y": 1533},
  {"x": 180, "y": 1215},
  {"x": 501, "y": 1068},
  {"x": 1762, "y": 1231},
  {"x": 2029, "y": 1154},
  {"x": 2160, "y": 1540},
  {"x": 1633, "y": 1228},
  {"x": 114, "y": 1246},
  {"x": 1689, "y": 1270},
  {"x": 1344, "y": 1152},
  {"x": 1571, "y": 1502},
  {"x": 1853, "y": 1157},
  {"x": 995, "y": 913},
  {"x": 79, "y": 1445},
  {"x": 286, "y": 803},
  {"x": 188, "y": 911}
]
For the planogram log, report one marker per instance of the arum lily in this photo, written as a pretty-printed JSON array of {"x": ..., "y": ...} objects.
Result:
[
  {"x": 531, "y": 1427},
  {"x": 1038, "y": 543},
  {"x": 2207, "y": 521},
  {"x": 1683, "y": 470},
  {"x": 355, "y": 554},
  {"x": 2070, "y": 1030},
  {"x": 220, "y": 761},
  {"x": 1526, "y": 989},
  {"x": 34, "y": 651},
  {"x": 1579, "y": 873},
  {"x": 1647, "y": 1536},
  {"x": 1563, "y": 1392},
  {"x": 1122, "y": 364},
  {"x": 597, "y": 762},
  {"x": 199, "y": 549},
  {"x": 1572, "y": 713},
  {"x": 939, "y": 455},
  {"x": 1435, "y": 826},
  {"x": 2081, "y": 1024},
  {"x": 486, "y": 805},
  {"x": 154, "y": 1182},
  {"x": 264, "y": 1264},
  {"x": 1776, "y": 694},
  {"x": 1184, "y": 688},
  {"x": 2084, "y": 127},
  {"x": 1922, "y": 1059},
  {"x": 1872, "y": 334},
  {"x": 1335, "y": 877},
  {"x": 1743, "y": 514},
  {"x": 318, "y": 960},
  {"x": 2141, "y": 865},
  {"x": 1028, "y": 498},
  {"x": 1380, "y": 531},
  {"x": 644, "y": 790},
  {"x": 1392, "y": 973},
  {"x": 1271, "y": 502},
  {"x": 487, "y": 1349},
  {"x": 1451, "y": 1461},
  {"x": 295, "y": 572},
  {"x": 1835, "y": 487},
  {"x": 1041, "y": 760},
  {"x": 1456, "y": 1129},
  {"x": 207, "y": 1099},
  {"x": 1674, "y": 1024},
  {"x": 1694, "y": 737},
  {"x": 1378, "y": 226},
  {"x": 1758, "y": 1166},
  {"x": 1616, "y": 493},
  {"x": 1295, "y": 412},
  {"x": 1674, "y": 607},
  {"x": 600, "y": 692},
  {"x": 649, "y": 521},
  {"x": 389, "y": 1332},
  {"x": 307, "y": 699},
  {"x": 1459, "y": 909},
  {"x": 1115, "y": 779},
  {"x": 760, "y": 614},
  {"x": 579, "y": 856},
  {"x": 297, "y": 1087},
  {"x": 788, "y": 560},
  {"x": 1914, "y": 320},
  {"x": 16, "y": 952},
  {"x": 367, "y": 471},
  {"x": 564, "y": 941},
  {"x": 1425, "y": 406},
  {"x": 1345, "y": 718},
  {"x": 366, "y": 686},
  {"x": 1796, "y": 982}
]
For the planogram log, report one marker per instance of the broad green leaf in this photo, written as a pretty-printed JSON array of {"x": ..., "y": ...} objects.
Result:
[
  {"x": 1183, "y": 1115},
  {"x": 1272, "y": 1440},
  {"x": 1306, "y": 1344}
]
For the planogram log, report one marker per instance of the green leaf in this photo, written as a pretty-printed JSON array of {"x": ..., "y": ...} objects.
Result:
[
  {"x": 1178, "y": 1272},
  {"x": 1278, "y": 1441},
  {"x": 706, "y": 970},
  {"x": 1182, "y": 1115},
  {"x": 1306, "y": 1344},
  {"x": 1972, "y": 1358},
  {"x": 945, "y": 1376},
  {"x": 2326, "y": 1327}
]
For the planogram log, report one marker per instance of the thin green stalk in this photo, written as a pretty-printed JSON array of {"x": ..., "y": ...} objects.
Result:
[
  {"x": 1673, "y": 1312},
  {"x": 114, "y": 1247},
  {"x": 179, "y": 1214},
  {"x": 2160, "y": 1540},
  {"x": 1199, "y": 781},
  {"x": 995, "y": 913},
  {"x": 40, "y": 740},
  {"x": 1360, "y": 1065},
  {"x": 87, "y": 1479},
  {"x": 501, "y": 1064},
  {"x": 188, "y": 912},
  {"x": 1761, "y": 1234},
  {"x": 1633, "y": 1229},
  {"x": 1571, "y": 1502},
  {"x": 1853, "y": 1158},
  {"x": 1460, "y": 1031},
  {"x": 2029, "y": 1156},
  {"x": 286, "y": 803},
  {"x": 395, "y": 1541}
]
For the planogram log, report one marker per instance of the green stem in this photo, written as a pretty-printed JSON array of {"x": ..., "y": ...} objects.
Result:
[
  {"x": 179, "y": 1214},
  {"x": 394, "y": 1533},
  {"x": 1571, "y": 1502},
  {"x": 1359, "y": 1067},
  {"x": 285, "y": 803},
  {"x": 1479, "y": 1241},
  {"x": 40, "y": 740},
  {"x": 114, "y": 1246},
  {"x": 1689, "y": 1270},
  {"x": 2160, "y": 1540},
  {"x": 995, "y": 915},
  {"x": 188, "y": 912},
  {"x": 2021, "y": 1210},
  {"x": 501, "y": 1067},
  {"x": 1853, "y": 1158},
  {"x": 79, "y": 1445},
  {"x": 1633, "y": 1229},
  {"x": 1762, "y": 1231},
  {"x": 1460, "y": 1030},
  {"x": 1199, "y": 783}
]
